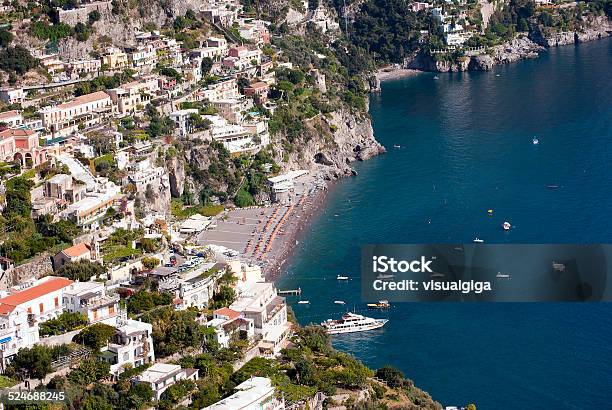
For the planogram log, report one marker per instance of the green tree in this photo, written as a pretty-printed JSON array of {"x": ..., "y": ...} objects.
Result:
[
  {"x": 89, "y": 371},
  {"x": 66, "y": 322},
  {"x": 95, "y": 336},
  {"x": 35, "y": 361},
  {"x": 82, "y": 270}
]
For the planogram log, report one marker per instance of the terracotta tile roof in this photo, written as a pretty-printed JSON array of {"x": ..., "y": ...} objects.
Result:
[
  {"x": 8, "y": 114},
  {"x": 232, "y": 314},
  {"x": 76, "y": 250},
  {"x": 51, "y": 285},
  {"x": 83, "y": 99},
  {"x": 6, "y": 309},
  {"x": 259, "y": 85},
  {"x": 17, "y": 132}
]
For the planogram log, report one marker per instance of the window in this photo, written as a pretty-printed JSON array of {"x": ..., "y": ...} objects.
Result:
[
  {"x": 41, "y": 307},
  {"x": 111, "y": 310},
  {"x": 56, "y": 302}
]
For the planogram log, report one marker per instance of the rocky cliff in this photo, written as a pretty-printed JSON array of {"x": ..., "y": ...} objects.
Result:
[
  {"x": 593, "y": 29},
  {"x": 336, "y": 141}
]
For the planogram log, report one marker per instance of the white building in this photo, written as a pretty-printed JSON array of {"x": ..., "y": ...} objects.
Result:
[
  {"x": 268, "y": 311},
  {"x": 131, "y": 346},
  {"x": 282, "y": 185},
  {"x": 235, "y": 138},
  {"x": 181, "y": 119},
  {"x": 256, "y": 393},
  {"x": 160, "y": 376},
  {"x": 87, "y": 110},
  {"x": 90, "y": 299},
  {"x": 12, "y": 95},
  {"x": 41, "y": 299},
  {"x": 228, "y": 323},
  {"x": 17, "y": 331},
  {"x": 133, "y": 97},
  {"x": 11, "y": 118}
]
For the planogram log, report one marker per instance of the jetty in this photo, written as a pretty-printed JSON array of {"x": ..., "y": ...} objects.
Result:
[{"x": 290, "y": 292}]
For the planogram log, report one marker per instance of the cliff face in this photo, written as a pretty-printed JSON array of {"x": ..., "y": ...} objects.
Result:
[
  {"x": 594, "y": 29},
  {"x": 336, "y": 141}
]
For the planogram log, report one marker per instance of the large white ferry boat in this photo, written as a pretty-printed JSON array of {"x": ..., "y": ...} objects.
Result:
[{"x": 352, "y": 322}]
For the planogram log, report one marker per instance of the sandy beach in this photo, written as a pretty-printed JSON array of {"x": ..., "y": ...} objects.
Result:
[
  {"x": 394, "y": 73},
  {"x": 266, "y": 236}
]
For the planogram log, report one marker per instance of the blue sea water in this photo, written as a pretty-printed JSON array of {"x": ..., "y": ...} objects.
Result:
[{"x": 466, "y": 146}]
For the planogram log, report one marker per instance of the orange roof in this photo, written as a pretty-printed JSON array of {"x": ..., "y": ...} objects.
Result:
[
  {"x": 76, "y": 250},
  {"x": 8, "y": 114},
  {"x": 84, "y": 99},
  {"x": 259, "y": 85},
  {"x": 7, "y": 304},
  {"x": 18, "y": 132},
  {"x": 232, "y": 314}
]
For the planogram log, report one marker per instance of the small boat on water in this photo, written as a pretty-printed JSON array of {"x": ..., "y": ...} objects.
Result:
[
  {"x": 382, "y": 304},
  {"x": 352, "y": 322},
  {"x": 304, "y": 302},
  {"x": 506, "y": 225},
  {"x": 478, "y": 240},
  {"x": 437, "y": 275},
  {"x": 535, "y": 141},
  {"x": 397, "y": 146},
  {"x": 559, "y": 267},
  {"x": 342, "y": 277},
  {"x": 552, "y": 186},
  {"x": 436, "y": 77},
  {"x": 502, "y": 275},
  {"x": 385, "y": 276},
  {"x": 339, "y": 302}
]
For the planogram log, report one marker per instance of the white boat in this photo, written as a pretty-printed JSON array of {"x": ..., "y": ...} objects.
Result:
[
  {"x": 385, "y": 276},
  {"x": 502, "y": 275},
  {"x": 303, "y": 302},
  {"x": 382, "y": 304},
  {"x": 352, "y": 322},
  {"x": 436, "y": 77},
  {"x": 478, "y": 240},
  {"x": 397, "y": 146},
  {"x": 341, "y": 277},
  {"x": 437, "y": 275},
  {"x": 535, "y": 141},
  {"x": 339, "y": 302},
  {"x": 506, "y": 226}
]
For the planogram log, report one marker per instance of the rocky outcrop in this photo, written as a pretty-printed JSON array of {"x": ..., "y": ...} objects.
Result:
[
  {"x": 176, "y": 176},
  {"x": 519, "y": 48},
  {"x": 426, "y": 62},
  {"x": 593, "y": 29},
  {"x": 338, "y": 140}
]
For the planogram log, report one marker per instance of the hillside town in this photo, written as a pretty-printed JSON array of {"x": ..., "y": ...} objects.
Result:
[
  {"x": 110, "y": 270},
  {"x": 152, "y": 186}
]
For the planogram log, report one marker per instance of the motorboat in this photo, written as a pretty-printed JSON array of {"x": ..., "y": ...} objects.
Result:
[
  {"x": 478, "y": 240},
  {"x": 535, "y": 141},
  {"x": 352, "y": 322},
  {"x": 342, "y": 277},
  {"x": 502, "y": 275},
  {"x": 303, "y": 302},
  {"x": 506, "y": 225},
  {"x": 339, "y": 302},
  {"x": 382, "y": 304}
]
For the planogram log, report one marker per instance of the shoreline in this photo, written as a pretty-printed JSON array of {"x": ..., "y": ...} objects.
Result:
[
  {"x": 395, "y": 73},
  {"x": 294, "y": 231}
]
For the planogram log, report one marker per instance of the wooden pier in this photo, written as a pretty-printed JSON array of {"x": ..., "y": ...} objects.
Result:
[{"x": 288, "y": 292}]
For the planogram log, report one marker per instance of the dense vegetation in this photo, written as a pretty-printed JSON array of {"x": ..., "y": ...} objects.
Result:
[
  {"x": 27, "y": 237},
  {"x": 65, "y": 322},
  {"x": 81, "y": 271}
]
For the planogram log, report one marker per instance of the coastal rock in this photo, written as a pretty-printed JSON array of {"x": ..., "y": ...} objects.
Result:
[
  {"x": 481, "y": 63},
  {"x": 519, "y": 48},
  {"x": 336, "y": 141},
  {"x": 592, "y": 29}
]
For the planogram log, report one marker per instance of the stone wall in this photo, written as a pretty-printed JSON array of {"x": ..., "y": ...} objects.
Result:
[{"x": 37, "y": 268}]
